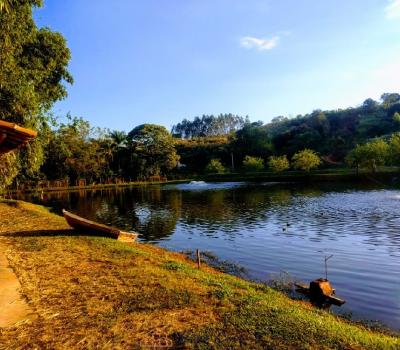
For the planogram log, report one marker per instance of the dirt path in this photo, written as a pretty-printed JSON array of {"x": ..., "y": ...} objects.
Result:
[{"x": 13, "y": 308}]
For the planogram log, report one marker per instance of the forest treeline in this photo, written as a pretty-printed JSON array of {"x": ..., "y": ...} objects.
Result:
[
  {"x": 34, "y": 74},
  {"x": 364, "y": 136}
]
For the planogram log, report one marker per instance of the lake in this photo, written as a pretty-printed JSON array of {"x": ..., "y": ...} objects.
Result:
[{"x": 270, "y": 228}]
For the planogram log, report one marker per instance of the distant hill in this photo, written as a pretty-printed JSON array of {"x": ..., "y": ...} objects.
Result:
[{"x": 335, "y": 133}]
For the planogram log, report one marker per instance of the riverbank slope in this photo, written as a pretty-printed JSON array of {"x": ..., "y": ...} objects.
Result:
[{"x": 92, "y": 292}]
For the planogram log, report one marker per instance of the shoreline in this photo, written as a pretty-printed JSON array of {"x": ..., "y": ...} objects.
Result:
[
  {"x": 381, "y": 177},
  {"x": 89, "y": 291}
]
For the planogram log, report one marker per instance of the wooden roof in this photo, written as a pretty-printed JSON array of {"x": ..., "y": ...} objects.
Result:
[{"x": 13, "y": 136}]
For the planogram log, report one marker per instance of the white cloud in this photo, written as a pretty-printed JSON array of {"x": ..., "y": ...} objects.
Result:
[
  {"x": 392, "y": 10},
  {"x": 260, "y": 44}
]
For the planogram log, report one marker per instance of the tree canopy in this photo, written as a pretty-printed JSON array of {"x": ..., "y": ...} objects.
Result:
[
  {"x": 33, "y": 73},
  {"x": 306, "y": 160},
  {"x": 153, "y": 150},
  {"x": 209, "y": 125}
]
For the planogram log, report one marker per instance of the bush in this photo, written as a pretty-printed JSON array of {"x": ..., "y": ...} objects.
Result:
[
  {"x": 278, "y": 164},
  {"x": 306, "y": 160},
  {"x": 253, "y": 163},
  {"x": 215, "y": 167},
  {"x": 371, "y": 154}
]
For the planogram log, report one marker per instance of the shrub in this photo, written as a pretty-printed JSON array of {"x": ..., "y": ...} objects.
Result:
[
  {"x": 306, "y": 160},
  {"x": 371, "y": 154},
  {"x": 253, "y": 163},
  {"x": 278, "y": 164},
  {"x": 215, "y": 167}
]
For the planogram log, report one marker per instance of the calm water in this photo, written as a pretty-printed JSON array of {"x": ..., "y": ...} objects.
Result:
[{"x": 245, "y": 223}]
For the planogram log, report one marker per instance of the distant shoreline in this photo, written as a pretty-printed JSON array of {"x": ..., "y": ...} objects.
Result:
[{"x": 384, "y": 176}]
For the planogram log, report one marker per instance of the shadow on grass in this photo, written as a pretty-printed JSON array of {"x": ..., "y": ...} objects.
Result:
[{"x": 55, "y": 233}]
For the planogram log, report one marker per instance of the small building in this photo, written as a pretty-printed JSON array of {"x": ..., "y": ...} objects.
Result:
[{"x": 13, "y": 136}]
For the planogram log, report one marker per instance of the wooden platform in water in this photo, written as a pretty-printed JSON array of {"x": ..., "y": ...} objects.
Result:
[
  {"x": 328, "y": 298},
  {"x": 86, "y": 225}
]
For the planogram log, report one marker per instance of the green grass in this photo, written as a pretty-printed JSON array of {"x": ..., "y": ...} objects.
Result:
[{"x": 98, "y": 293}]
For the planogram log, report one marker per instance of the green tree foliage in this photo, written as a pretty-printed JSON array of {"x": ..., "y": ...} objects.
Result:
[
  {"x": 215, "y": 167},
  {"x": 76, "y": 150},
  {"x": 33, "y": 66},
  {"x": 253, "y": 139},
  {"x": 8, "y": 170},
  {"x": 395, "y": 149},
  {"x": 118, "y": 144},
  {"x": 335, "y": 133},
  {"x": 389, "y": 99},
  {"x": 253, "y": 163},
  {"x": 33, "y": 71},
  {"x": 197, "y": 152},
  {"x": 152, "y": 149},
  {"x": 278, "y": 163},
  {"x": 396, "y": 117},
  {"x": 306, "y": 160},
  {"x": 369, "y": 155},
  {"x": 208, "y": 125},
  {"x": 5, "y": 6}
]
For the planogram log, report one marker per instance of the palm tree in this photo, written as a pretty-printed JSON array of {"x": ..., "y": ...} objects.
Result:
[
  {"x": 118, "y": 138},
  {"x": 119, "y": 142}
]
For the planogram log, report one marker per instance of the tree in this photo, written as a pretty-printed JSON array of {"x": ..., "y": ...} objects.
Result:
[
  {"x": 76, "y": 150},
  {"x": 153, "y": 151},
  {"x": 8, "y": 170},
  {"x": 396, "y": 117},
  {"x": 306, "y": 160},
  {"x": 253, "y": 163},
  {"x": 208, "y": 125},
  {"x": 278, "y": 164},
  {"x": 215, "y": 167},
  {"x": 355, "y": 157},
  {"x": 389, "y": 99},
  {"x": 369, "y": 155},
  {"x": 33, "y": 73},
  {"x": 5, "y": 5},
  {"x": 395, "y": 148},
  {"x": 254, "y": 139},
  {"x": 118, "y": 145}
]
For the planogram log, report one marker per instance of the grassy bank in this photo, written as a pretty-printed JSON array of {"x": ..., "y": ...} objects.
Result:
[{"x": 98, "y": 293}]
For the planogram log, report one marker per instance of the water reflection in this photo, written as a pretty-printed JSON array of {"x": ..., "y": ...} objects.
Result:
[{"x": 269, "y": 228}]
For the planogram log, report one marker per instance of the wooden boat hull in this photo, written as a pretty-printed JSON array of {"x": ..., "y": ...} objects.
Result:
[{"x": 89, "y": 226}]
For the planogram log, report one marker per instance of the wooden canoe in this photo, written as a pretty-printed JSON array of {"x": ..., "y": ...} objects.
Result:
[{"x": 86, "y": 225}]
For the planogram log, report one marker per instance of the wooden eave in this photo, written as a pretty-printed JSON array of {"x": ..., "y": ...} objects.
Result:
[{"x": 13, "y": 136}]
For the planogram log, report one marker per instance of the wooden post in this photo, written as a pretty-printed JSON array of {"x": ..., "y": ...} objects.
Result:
[{"x": 198, "y": 258}]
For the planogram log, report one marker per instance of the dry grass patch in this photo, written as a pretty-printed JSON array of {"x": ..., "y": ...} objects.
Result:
[{"x": 98, "y": 293}]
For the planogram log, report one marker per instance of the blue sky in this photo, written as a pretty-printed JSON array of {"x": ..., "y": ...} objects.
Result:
[{"x": 159, "y": 61}]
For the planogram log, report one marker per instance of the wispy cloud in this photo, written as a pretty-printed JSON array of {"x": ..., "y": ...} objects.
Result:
[
  {"x": 260, "y": 44},
  {"x": 392, "y": 10}
]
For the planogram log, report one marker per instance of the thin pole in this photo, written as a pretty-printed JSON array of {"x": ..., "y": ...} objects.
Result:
[
  {"x": 233, "y": 164},
  {"x": 326, "y": 266},
  {"x": 198, "y": 258}
]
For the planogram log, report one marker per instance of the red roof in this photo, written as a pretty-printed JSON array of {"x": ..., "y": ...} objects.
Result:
[{"x": 13, "y": 136}]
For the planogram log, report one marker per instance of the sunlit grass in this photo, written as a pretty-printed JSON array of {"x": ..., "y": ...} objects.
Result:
[{"x": 92, "y": 292}]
